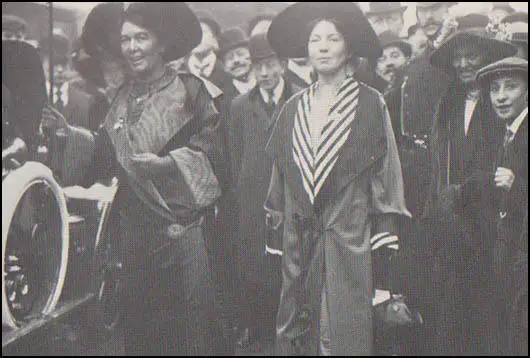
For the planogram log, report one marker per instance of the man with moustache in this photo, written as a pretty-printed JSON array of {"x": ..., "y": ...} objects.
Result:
[
  {"x": 506, "y": 198},
  {"x": 253, "y": 118},
  {"x": 394, "y": 60},
  {"x": 386, "y": 16},
  {"x": 235, "y": 55}
]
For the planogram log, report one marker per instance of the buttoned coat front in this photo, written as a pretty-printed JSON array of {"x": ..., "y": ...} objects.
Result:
[{"x": 328, "y": 242}]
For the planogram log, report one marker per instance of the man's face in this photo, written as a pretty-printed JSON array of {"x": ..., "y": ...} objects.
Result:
[
  {"x": 432, "y": 17},
  {"x": 237, "y": 62},
  {"x": 509, "y": 95},
  {"x": 419, "y": 43},
  {"x": 268, "y": 72},
  {"x": 467, "y": 61},
  {"x": 392, "y": 61},
  {"x": 60, "y": 69},
  {"x": 13, "y": 35},
  {"x": 392, "y": 21}
]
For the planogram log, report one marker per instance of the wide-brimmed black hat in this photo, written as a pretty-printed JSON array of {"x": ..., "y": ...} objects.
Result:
[
  {"x": 102, "y": 28},
  {"x": 504, "y": 6},
  {"x": 260, "y": 47},
  {"x": 472, "y": 31},
  {"x": 506, "y": 65},
  {"x": 88, "y": 67},
  {"x": 289, "y": 32},
  {"x": 388, "y": 38},
  {"x": 232, "y": 38},
  {"x": 23, "y": 76},
  {"x": 378, "y": 8},
  {"x": 173, "y": 23},
  {"x": 208, "y": 18}
]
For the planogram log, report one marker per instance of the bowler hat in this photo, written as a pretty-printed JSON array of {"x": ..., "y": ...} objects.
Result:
[
  {"x": 506, "y": 65},
  {"x": 207, "y": 18},
  {"x": 59, "y": 43},
  {"x": 260, "y": 47},
  {"x": 174, "y": 24},
  {"x": 257, "y": 19},
  {"x": 230, "y": 39},
  {"x": 388, "y": 38},
  {"x": 471, "y": 30},
  {"x": 13, "y": 23},
  {"x": 101, "y": 31},
  {"x": 516, "y": 27},
  {"x": 289, "y": 32},
  {"x": 377, "y": 8}
]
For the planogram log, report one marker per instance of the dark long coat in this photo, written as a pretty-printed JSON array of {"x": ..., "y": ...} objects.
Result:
[
  {"x": 249, "y": 129},
  {"x": 330, "y": 240},
  {"x": 455, "y": 259}
]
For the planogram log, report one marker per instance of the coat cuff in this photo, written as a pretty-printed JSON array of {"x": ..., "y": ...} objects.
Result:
[
  {"x": 271, "y": 251},
  {"x": 385, "y": 239}
]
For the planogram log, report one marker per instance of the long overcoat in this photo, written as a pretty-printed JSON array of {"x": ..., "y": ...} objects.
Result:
[
  {"x": 329, "y": 241},
  {"x": 250, "y": 127}
]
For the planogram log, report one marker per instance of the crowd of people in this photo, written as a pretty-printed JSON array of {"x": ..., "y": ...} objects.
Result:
[{"x": 310, "y": 180}]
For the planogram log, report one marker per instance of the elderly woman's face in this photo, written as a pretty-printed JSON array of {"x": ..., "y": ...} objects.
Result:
[
  {"x": 141, "y": 49},
  {"x": 508, "y": 95},
  {"x": 467, "y": 61},
  {"x": 327, "y": 49}
]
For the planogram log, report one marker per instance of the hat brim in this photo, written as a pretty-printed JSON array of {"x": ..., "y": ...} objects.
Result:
[
  {"x": 225, "y": 50},
  {"x": 403, "y": 45},
  {"x": 484, "y": 79},
  {"x": 493, "y": 48},
  {"x": 289, "y": 36}
]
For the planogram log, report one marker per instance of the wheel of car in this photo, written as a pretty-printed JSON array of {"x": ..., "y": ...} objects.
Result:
[{"x": 35, "y": 243}]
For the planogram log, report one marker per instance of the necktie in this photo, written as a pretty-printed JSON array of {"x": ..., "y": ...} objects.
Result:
[
  {"x": 270, "y": 104},
  {"x": 59, "y": 104},
  {"x": 508, "y": 137}
]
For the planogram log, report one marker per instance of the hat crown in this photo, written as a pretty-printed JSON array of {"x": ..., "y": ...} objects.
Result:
[
  {"x": 508, "y": 64},
  {"x": 388, "y": 37},
  {"x": 13, "y": 23},
  {"x": 59, "y": 42},
  {"x": 260, "y": 47},
  {"x": 384, "y": 7},
  {"x": 232, "y": 38},
  {"x": 472, "y": 22}
]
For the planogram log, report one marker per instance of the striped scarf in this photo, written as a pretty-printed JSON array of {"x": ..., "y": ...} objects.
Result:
[{"x": 315, "y": 167}]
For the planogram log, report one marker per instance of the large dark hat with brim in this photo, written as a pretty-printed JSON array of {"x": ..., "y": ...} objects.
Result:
[
  {"x": 388, "y": 38},
  {"x": 232, "y": 38},
  {"x": 23, "y": 76},
  {"x": 378, "y": 8},
  {"x": 268, "y": 16},
  {"x": 506, "y": 65},
  {"x": 172, "y": 22},
  {"x": 102, "y": 28},
  {"x": 260, "y": 47},
  {"x": 89, "y": 67},
  {"x": 289, "y": 32},
  {"x": 13, "y": 23},
  {"x": 472, "y": 31},
  {"x": 207, "y": 18}
]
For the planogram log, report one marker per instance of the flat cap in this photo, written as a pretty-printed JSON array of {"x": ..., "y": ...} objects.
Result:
[{"x": 509, "y": 64}]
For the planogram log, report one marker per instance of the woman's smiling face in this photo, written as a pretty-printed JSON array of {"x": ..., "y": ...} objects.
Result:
[{"x": 141, "y": 48}]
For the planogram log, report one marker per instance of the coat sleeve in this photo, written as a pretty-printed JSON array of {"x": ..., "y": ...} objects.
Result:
[
  {"x": 197, "y": 162},
  {"x": 275, "y": 208},
  {"x": 388, "y": 203}
]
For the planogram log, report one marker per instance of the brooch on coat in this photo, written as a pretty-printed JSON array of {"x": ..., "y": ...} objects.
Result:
[{"x": 119, "y": 124}]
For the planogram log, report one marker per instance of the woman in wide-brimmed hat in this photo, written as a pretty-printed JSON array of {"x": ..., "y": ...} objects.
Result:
[
  {"x": 332, "y": 146},
  {"x": 462, "y": 129},
  {"x": 158, "y": 140}
]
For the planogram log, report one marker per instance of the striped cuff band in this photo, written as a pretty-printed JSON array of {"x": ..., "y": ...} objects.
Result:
[
  {"x": 268, "y": 250},
  {"x": 386, "y": 239}
]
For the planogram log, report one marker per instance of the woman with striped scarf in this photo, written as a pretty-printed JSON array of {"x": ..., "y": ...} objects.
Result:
[{"x": 336, "y": 185}]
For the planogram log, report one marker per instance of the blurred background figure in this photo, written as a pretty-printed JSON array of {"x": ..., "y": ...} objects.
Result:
[
  {"x": 386, "y": 16},
  {"x": 14, "y": 28},
  {"x": 70, "y": 101},
  {"x": 418, "y": 40},
  {"x": 431, "y": 16}
]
